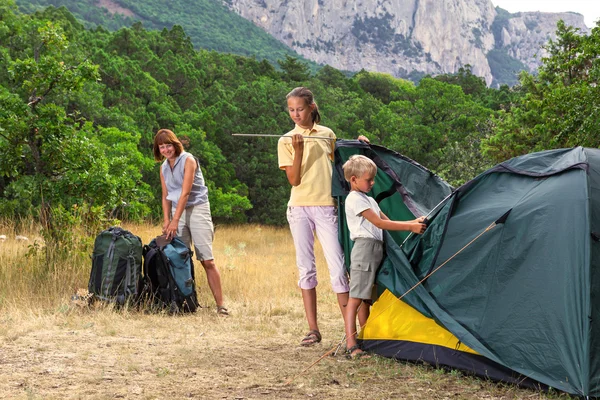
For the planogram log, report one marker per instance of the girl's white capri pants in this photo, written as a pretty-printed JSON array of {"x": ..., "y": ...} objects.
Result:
[{"x": 304, "y": 222}]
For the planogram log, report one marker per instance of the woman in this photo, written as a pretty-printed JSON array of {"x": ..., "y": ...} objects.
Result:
[{"x": 186, "y": 210}]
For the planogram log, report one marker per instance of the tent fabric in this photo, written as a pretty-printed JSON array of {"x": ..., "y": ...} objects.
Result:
[
  {"x": 400, "y": 320},
  {"x": 522, "y": 294},
  {"x": 403, "y": 188},
  {"x": 594, "y": 294},
  {"x": 404, "y": 333}
]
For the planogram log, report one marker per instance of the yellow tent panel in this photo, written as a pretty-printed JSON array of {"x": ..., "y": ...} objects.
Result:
[{"x": 393, "y": 319}]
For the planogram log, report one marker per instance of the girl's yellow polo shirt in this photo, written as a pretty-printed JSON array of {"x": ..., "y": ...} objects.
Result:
[{"x": 315, "y": 183}]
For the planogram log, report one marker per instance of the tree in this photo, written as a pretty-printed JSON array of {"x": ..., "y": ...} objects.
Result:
[
  {"x": 332, "y": 77},
  {"x": 381, "y": 86},
  {"x": 440, "y": 127},
  {"x": 254, "y": 108},
  {"x": 51, "y": 158},
  {"x": 294, "y": 70},
  {"x": 471, "y": 84},
  {"x": 559, "y": 107}
]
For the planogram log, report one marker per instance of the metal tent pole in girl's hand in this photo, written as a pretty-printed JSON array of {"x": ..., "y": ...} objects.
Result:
[{"x": 280, "y": 136}]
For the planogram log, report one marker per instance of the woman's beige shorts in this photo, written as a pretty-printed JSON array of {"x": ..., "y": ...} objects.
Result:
[{"x": 195, "y": 225}]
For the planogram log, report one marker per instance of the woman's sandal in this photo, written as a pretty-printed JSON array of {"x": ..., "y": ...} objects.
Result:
[
  {"x": 311, "y": 338},
  {"x": 221, "y": 310},
  {"x": 355, "y": 353}
]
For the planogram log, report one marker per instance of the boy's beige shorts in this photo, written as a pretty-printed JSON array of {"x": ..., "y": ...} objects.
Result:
[{"x": 365, "y": 258}]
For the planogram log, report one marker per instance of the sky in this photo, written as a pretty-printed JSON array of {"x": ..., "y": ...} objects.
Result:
[{"x": 589, "y": 8}]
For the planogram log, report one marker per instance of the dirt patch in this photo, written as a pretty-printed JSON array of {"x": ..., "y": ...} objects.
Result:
[
  {"x": 51, "y": 348},
  {"x": 104, "y": 354},
  {"x": 115, "y": 8}
]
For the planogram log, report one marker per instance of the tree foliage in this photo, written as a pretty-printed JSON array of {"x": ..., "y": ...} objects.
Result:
[
  {"x": 559, "y": 107},
  {"x": 79, "y": 108}
]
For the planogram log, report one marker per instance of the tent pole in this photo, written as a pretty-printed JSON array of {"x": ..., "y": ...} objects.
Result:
[
  {"x": 280, "y": 136},
  {"x": 428, "y": 214}
]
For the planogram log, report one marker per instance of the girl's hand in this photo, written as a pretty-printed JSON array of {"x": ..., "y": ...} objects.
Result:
[
  {"x": 298, "y": 142},
  {"x": 165, "y": 226},
  {"x": 420, "y": 220},
  {"x": 363, "y": 138}
]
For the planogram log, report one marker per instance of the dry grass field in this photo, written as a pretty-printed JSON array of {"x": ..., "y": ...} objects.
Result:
[{"x": 51, "y": 348}]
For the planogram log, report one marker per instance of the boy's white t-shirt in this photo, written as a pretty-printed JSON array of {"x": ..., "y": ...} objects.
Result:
[{"x": 359, "y": 226}]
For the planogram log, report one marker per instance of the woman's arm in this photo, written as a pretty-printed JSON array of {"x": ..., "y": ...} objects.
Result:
[
  {"x": 294, "y": 171},
  {"x": 189, "y": 171},
  {"x": 166, "y": 204}
]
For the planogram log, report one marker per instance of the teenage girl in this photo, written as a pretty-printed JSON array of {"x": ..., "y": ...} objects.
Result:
[
  {"x": 186, "y": 210},
  {"x": 308, "y": 165}
]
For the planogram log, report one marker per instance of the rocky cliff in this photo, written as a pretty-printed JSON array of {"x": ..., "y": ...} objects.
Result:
[
  {"x": 523, "y": 34},
  {"x": 406, "y": 37}
]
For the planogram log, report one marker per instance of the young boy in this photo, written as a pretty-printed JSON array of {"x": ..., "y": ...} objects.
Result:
[{"x": 366, "y": 223}]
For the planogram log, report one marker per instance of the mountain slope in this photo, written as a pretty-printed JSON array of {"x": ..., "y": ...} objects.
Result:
[{"x": 209, "y": 23}]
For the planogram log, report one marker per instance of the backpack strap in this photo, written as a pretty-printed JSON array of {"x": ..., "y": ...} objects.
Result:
[
  {"x": 110, "y": 253},
  {"x": 148, "y": 253},
  {"x": 171, "y": 281}
]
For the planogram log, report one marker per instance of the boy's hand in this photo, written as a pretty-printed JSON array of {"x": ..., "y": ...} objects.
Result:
[
  {"x": 421, "y": 220},
  {"x": 418, "y": 227}
]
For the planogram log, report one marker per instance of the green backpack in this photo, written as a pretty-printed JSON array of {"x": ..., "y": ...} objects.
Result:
[{"x": 116, "y": 266}]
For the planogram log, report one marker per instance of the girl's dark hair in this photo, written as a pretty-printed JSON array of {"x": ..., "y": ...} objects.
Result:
[
  {"x": 165, "y": 136},
  {"x": 306, "y": 94}
]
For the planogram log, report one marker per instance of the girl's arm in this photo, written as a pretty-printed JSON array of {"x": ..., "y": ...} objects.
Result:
[
  {"x": 189, "y": 171},
  {"x": 383, "y": 222},
  {"x": 294, "y": 171}
]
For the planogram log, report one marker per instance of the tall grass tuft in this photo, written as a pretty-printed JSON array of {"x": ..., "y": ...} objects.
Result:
[
  {"x": 31, "y": 275},
  {"x": 257, "y": 266}
]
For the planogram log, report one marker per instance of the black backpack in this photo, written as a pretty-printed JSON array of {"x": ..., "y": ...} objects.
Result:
[
  {"x": 116, "y": 274},
  {"x": 169, "y": 276}
]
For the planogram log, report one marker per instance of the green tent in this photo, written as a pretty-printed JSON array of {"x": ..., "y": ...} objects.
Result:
[{"x": 505, "y": 282}]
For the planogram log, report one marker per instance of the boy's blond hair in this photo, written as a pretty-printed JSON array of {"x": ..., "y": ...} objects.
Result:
[{"x": 357, "y": 165}]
